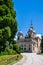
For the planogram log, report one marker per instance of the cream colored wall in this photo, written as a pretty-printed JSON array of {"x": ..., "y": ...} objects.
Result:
[
  {"x": 39, "y": 42},
  {"x": 25, "y": 43},
  {"x": 36, "y": 49}
]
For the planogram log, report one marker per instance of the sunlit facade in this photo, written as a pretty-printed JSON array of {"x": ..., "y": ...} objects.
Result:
[{"x": 30, "y": 42}]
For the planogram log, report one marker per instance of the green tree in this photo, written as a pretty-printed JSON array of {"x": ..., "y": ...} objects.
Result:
[
  {"x": 17, "y": 48},
  {"x": 8, "y": 23},
  {"x": 42, "y": 45}
]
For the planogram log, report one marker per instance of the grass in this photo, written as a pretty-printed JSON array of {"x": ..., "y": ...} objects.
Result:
[
  {"x": 41, "y": 53},
  {"x": 4, "y": 57}
]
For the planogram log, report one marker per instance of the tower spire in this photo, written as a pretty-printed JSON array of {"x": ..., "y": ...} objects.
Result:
[{"x": 31, "y": 26}]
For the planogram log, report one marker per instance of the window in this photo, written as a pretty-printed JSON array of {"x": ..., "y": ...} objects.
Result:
[
  {"x": 24, "y": 48},
  {"x": 29, "y": 48}
]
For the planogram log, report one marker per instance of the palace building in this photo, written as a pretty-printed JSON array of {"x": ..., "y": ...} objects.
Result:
[{"x": 30, "y": 42}]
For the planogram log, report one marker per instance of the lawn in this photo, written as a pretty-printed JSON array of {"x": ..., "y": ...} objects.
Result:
[
  {"x": 41, "y": 53},
  {"x": 9, "y": 59}
]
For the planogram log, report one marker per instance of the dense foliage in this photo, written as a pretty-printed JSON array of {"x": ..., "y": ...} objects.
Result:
[
  {"x": 42, "y": 45},
  {"x": 8, "y": 25}
]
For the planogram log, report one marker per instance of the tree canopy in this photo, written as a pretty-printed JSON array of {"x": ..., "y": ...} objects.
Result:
[
  {"x": 8, "y": 23},
  {"x": 42, "y": 45}
]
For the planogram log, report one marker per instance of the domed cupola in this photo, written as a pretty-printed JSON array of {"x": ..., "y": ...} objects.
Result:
[{"x": 20, "y": 35}]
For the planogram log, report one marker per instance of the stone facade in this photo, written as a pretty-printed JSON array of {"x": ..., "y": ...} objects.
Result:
[{"x": 30, "y": 42}]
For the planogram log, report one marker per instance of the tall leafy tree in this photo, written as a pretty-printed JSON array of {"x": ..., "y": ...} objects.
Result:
[
  {"x": 8, "y": 23},
  {"x": 42, "y": 45}
]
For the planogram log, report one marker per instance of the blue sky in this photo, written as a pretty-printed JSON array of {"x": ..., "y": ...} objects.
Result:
[{"x": 27, "y": 10}]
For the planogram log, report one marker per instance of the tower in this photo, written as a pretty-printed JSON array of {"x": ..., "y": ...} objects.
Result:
[
  {"x": 20, "y": 35},
  {"x": 31, "y": 31}
]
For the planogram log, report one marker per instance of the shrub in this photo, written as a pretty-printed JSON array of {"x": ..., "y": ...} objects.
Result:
[
  {"x": 4, "y": 53},
  {"x": 11, "y": 46},
  {"x": 17, "y": 48},
  {"x": 10, "y": 51}
]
